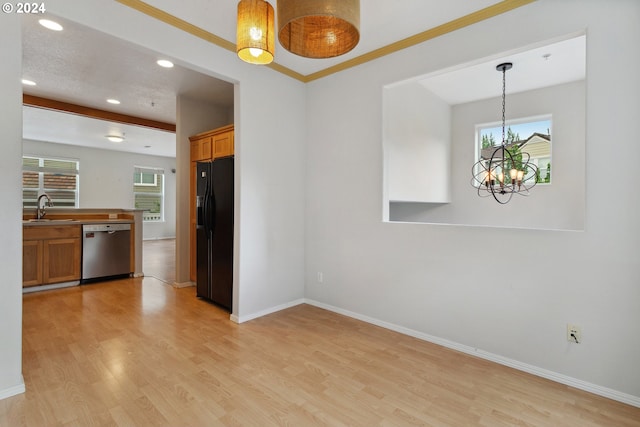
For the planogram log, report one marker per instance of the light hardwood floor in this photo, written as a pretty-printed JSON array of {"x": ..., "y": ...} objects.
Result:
[
  {"x": 159, "y": 259},
  {"x": 137, "y": 352}
]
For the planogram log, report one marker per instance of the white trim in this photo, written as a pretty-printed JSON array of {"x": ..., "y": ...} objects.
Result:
[
  {"x": 534, "y": 370},
  {"x": 145, "y": 184},
  {"x": 148, "y": 169},
  {"x": 12, "y": 391},
  {"x": 180, "y": 285},
  {"x": 242, "y": 319},
  {"x": 30, "y": 289}
]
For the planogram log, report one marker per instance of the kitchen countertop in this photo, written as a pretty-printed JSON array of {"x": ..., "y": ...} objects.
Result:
[{"x": 65, "y": 221}]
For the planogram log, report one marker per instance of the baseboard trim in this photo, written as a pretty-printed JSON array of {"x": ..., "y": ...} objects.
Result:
[
  {"x": 13, "y": 391},
  {"x": 50, "y": 287},
  {"x": 531, "y": 369},
  {"x": 242, "y": 319},
  {"x": 181, "y": 285}
]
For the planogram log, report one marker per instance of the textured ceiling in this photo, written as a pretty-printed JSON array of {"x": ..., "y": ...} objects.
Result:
[{"x": 86, "y": 67}]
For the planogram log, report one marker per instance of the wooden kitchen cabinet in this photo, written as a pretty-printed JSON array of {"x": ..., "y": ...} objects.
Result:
[
  {"x": 51, "y": 254},
  {"x": 222, "y": 144},
  {"x": 205, "y": 146},
  {"x": 212, "y": 144},
  {"x": 32, "y": 254},
  {"x": 61, "y": 260},
  {"x": 201, "y": 148}
]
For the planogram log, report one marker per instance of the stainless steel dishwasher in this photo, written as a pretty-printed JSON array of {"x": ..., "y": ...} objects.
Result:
[{"x": 106, "y": 251}]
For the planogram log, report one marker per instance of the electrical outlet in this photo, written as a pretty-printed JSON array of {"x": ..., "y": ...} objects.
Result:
[
  {"x": 320, "y": 277},
  {"x": 574, "y": 333}
]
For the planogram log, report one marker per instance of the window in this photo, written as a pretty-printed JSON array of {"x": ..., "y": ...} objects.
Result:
[
  {"x": 148, "y": 192},
  {"x": 56, "y": 177},
  {"x": 530, "y": 135},
  {"x": 145, "y": 179}
]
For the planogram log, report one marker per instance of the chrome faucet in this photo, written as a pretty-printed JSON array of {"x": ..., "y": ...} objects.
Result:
[{"x": 41, "y": 211}]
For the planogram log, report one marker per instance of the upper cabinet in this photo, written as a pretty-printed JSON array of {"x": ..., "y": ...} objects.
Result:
[
  {"x": 212, "y": 144},
  {"x": 222, "y": 143},
  {"x": 200, "y": 148}
]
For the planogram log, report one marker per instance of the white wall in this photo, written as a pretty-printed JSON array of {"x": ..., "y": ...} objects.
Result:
[
  {"x": 558, "y": 206},
  {"x": 196, "y": 116},
  {"x": 270, "y": 212},
  {"x": 433, "y": 279},
  {"x": 417, "y": 144},
  {"x": 11, "y": 212},
  {"x": 106, "y": 180}
]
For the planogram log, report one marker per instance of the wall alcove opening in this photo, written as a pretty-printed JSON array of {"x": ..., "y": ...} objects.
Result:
[{"x": 431, "y": 138}]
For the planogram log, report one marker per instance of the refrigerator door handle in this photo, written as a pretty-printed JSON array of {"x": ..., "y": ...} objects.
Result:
[
  {"x": 212, "y": 215},
  {"x": 199, "y": 207},
  {"x": 205, "y": 214}
]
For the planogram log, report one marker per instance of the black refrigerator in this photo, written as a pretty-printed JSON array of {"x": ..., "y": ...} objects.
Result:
[{"x": 214, "y": 231}]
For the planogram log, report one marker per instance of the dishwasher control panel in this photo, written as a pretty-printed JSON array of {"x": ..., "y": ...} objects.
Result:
[{"x": 92, "y": 228}]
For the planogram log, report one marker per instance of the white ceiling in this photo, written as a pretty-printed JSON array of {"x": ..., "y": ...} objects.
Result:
[
  {"x": 55, "y": 126},
  {"x": 82, "y": 66},
  {"x": 533, "y": 68}
]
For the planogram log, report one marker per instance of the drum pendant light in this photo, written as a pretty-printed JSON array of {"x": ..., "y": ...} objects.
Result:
[
  {"x": 319, "y": 28},
  {"x": 255, "y": 39}
]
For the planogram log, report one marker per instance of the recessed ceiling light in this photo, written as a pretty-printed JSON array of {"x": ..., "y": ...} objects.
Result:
[
  {"x": 52, "y": 25},
  {"x": 113, "y": 101},
  {"x": 165, "y": 63},
  {"x": 115, "y": 138},
  {"x": 147, "y": 146},
  {"x": 28, "y": 82}
]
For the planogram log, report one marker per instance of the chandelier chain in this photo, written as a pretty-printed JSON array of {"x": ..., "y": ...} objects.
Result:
[{"x": 504, "y": 88}]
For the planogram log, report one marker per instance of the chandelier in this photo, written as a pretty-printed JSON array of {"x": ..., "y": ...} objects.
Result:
[{"x": 507, "y": 170}]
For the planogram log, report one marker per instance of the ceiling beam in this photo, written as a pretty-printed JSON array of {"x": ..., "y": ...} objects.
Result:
[{"x": 94, "y": 113}]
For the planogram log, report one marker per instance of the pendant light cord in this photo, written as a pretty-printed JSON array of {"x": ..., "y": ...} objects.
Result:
[
  {"x": 504, "y": 145},
  {"x": 504, "y": 88}
]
